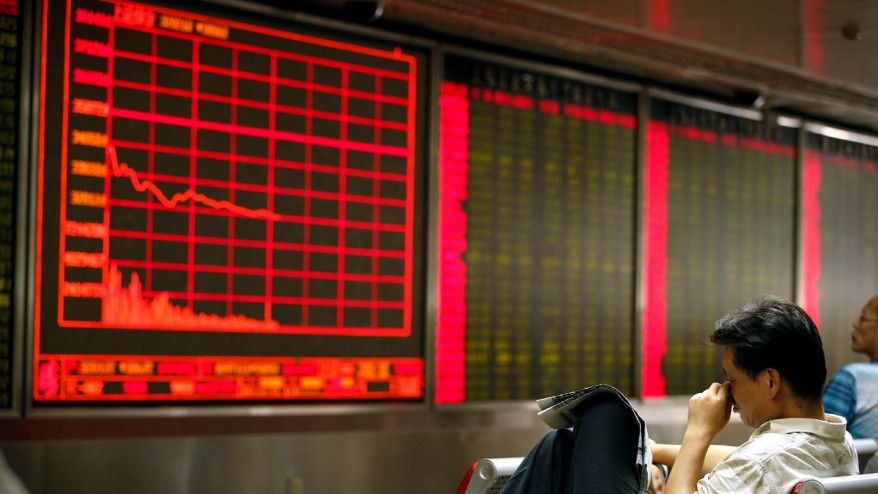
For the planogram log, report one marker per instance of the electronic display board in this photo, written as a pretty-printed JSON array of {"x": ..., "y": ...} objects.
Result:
[
  {"x": 719, "y": 229},
  {"x": 10, "y": 60},
  {"x": 537, "y": 224},
  {"x": 226, "y": 210},
  {"x": 839, "y": 245}
]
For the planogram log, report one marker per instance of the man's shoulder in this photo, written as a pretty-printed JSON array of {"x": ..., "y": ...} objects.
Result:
[
  {"x": 765, "y": 446},
  {"x": 774, "y": 461},
  {"x": 797, "y": 453},
  {"x": 771, "y": 446},
  {"x": 860, "y": 369}
]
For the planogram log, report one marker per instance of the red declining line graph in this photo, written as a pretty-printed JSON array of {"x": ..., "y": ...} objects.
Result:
[
  {"x": 129, "y": 307},
  {"x": 123, "y": 170}
]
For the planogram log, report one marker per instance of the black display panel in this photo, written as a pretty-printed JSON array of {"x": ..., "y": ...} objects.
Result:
[
  {"x": 537, "y": 234},
  {"x": 839, "y": 243},
  {"x": 227, "y": 209},
  {"x": 10, "y": 60},
  {"x": 719, "y": 229}
]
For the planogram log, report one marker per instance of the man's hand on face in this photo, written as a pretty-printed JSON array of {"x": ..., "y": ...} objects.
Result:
[{"x": 709, "y": 410}]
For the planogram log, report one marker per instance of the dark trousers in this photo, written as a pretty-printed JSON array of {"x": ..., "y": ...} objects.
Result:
[{"x": 598, "y": 455}]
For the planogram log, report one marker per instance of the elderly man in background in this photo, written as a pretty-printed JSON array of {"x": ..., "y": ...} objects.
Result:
[{"x": 853, "y": 391}]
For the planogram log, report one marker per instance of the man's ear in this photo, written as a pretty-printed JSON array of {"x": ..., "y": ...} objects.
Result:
[{"x": 772, "y": 381}]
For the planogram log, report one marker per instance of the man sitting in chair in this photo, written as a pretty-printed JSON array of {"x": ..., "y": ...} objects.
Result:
[{"x": 773, "y": 359}]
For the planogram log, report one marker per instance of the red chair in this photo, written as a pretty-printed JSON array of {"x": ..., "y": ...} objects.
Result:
[{"x": 488, "y": 475}]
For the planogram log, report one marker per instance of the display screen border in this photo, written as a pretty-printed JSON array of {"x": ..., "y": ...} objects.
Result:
[{"x": 258, "y": 15}]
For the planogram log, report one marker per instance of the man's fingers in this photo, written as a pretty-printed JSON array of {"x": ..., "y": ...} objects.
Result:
[{"x": 715, "y": 391}]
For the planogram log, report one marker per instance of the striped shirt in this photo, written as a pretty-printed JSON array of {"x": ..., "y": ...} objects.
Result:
[
  {"x": 853, "y": 394},
  {"x": 782, "y": 453}
]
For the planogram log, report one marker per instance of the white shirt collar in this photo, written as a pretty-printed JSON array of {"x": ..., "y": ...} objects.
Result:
[{"x": 832, "y": 428}]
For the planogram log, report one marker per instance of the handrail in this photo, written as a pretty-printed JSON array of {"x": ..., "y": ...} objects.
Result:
[{"x": 866, "y": 483}]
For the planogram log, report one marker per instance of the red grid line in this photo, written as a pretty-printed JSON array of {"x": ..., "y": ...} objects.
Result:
[
  {"x": 276, "y": 272},
  {"x": 369, "y": 331},
  {"x": 193, "y": 185},
  {"x": 286, "y": 191},
  {"x": 260, "y": 299},
  {"x": 230, "y": 250},
  {"x": 309, "y": 60},
  {"x": 105, "y": 271},
  {"x": 195, "y": 124},
  {"x": 309, "y": 128},
  {"x": 223, "y": 184},
  {"x": 153, "y": 77},
  {"x": 269, "y": 234},
  {"x": 376, "y": 192},
  {"x": 252, "y": 76},
  {"x": 254, "y": 160},
  {"x": 264, "y": 189},
  {"x": 285, "y": 218},
  {"x": 342, "y": 186},
  {"x": 304, "y": 247},
  {"x": 294, "y": 110}
]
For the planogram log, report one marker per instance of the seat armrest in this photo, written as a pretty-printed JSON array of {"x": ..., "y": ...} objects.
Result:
[
  {"x": 866, "y": 483},
  {"x": 488, "y": 475}
]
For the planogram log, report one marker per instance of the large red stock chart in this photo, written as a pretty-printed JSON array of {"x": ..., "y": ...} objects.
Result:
[{"x": 227, "y": 210}]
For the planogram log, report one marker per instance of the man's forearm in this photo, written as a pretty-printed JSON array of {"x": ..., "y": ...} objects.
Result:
[
  {"x": 666, "y": 454},
  {"x": 689, "y": 463}
]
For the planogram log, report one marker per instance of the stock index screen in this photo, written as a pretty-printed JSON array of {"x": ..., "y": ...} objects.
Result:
[
  {"x": 719, "y": 229},
  {"x": 536, "y": 234},
  {"x": 226, "y": 210},
  {"x": 10, "y": 60},
  {"x": 839, "y": 248}
]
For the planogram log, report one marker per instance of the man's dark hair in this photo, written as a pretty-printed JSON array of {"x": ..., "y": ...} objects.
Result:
[{"x": 770, "y": 332}]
